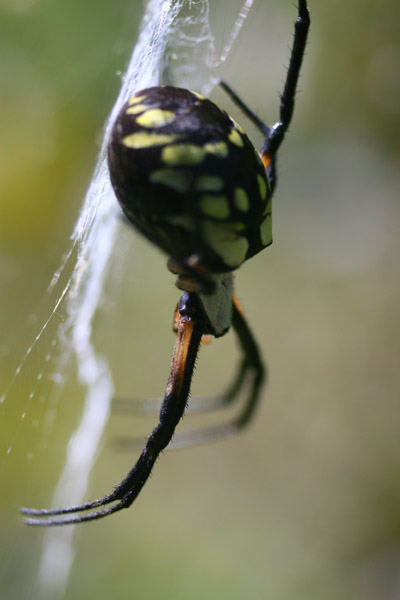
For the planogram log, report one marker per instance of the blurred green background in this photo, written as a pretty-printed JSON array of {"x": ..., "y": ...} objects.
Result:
[{"x": 306, "y": 503}]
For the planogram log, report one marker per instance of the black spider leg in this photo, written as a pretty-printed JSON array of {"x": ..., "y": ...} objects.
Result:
[
  {"x": 251, "y": 375},
  {"x": 245, "y": 109},
  {"x": 190, "y": 329},
  {"x": 277, "y": 132},
  {"x": 198, "y": 404},
  {"x": 274, "y": 135},
  {"x": 254, "y": 376}
]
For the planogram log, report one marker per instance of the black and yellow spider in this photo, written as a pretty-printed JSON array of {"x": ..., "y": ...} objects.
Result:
[{"x": 189, "y": 179}]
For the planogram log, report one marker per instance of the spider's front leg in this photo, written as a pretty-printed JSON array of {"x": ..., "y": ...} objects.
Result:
[{"x": 190, "y": 328}]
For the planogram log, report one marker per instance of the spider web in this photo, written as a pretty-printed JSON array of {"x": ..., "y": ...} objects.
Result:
[{"x": 175, "y": 46}]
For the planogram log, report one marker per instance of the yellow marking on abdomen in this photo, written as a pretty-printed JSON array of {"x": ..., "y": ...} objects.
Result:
[
  {"x": 183, "y": 155},
  {"x": 215, "y": 206},
  {"x": 146, "y": 140},
  {"x": 262, "y": 185},
  {"x": 226, "y": 243},
  {"x": 197, "y": 94},
  {"x": 235, "y": 138},
  {"x": 219, "y": 149},
  {"x": 155, "y": 117},
  {"x": 135, "y": 99},
  {"x": 172, "y": 178},
  {"x": 241, "y": 199},
  {"x": 267, "y": 208},
  {"x": 209, "y": 183},
  {"x": 266, "y": 231},
  {"x": 136, "y": 109}
]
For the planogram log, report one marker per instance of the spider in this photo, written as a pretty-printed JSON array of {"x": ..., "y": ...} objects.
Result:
[{"x": 188, "y": 178}]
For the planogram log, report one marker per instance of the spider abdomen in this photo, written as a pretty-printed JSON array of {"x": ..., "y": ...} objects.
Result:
[{"x": 188, "y": 177}]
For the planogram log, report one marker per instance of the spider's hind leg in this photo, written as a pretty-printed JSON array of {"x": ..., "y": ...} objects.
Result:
[
  {"x": 198, "y": 404},
  {"x": 251, "y": 377},
  {"x": 217, "y": 313},
  {"x": 248, "y": 380},
  {"x": 190, "y": 330}
]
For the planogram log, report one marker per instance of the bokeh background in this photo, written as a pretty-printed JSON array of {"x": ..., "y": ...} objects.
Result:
[{"x": 306, "y": 503}]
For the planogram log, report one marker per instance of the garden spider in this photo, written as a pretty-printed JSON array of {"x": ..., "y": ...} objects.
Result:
[{"x": 189, "y": 179}]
